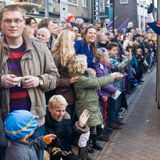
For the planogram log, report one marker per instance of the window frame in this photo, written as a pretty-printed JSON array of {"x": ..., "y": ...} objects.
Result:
[
  {"x": 123, "y": 2},
  {"x": 74, "y": 4},
  {"x": 84, "y": 3}
]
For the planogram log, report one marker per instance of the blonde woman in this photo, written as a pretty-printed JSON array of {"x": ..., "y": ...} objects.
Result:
[
  {"x": 86, "y": 95},
  {"x": 62, "y": 53}
]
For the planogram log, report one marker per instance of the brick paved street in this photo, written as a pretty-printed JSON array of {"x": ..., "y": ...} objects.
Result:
[{"x": 140, "y": 137}]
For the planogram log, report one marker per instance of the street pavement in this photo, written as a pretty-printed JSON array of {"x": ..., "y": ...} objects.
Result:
[{"x": 139, "y": 138}]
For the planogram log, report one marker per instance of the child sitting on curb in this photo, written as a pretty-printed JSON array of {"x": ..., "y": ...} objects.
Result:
[
  {"x": 58, "y": 123},
  {"x": 19, "y": 126}
]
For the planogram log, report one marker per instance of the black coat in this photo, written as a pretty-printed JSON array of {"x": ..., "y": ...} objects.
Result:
[{"x": 66, "y": 135}]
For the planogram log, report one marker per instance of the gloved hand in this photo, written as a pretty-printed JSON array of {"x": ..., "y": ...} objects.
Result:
[
  {"x": 48, "y": 138},
  {"x": 150, "y": 8},
  {"x": 82, "y": 142}
]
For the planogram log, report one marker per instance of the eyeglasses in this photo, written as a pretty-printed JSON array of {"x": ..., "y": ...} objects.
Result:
[{"x": 9, "y": 21}]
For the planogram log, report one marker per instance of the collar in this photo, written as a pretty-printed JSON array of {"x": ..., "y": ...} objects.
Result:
[{"x": 27, "y": 41}]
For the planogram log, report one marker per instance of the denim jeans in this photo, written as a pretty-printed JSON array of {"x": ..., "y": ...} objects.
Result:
[{"x": 113, "y": 108}]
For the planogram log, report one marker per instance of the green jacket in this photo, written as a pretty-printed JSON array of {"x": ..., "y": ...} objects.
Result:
[
  {"x": 87, "y": 97},
  {"x": 36, "y": 61}
]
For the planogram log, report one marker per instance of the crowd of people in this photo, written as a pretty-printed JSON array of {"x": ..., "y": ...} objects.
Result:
[{"x": 65, "y": 84}]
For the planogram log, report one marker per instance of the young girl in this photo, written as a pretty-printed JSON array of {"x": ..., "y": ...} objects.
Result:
[
  {"x": 101, "y": 66},
  {"x": 86, "y": 95}
]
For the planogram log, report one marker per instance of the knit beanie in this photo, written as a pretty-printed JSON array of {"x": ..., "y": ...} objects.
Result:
[{"x": 19, "y": 123}]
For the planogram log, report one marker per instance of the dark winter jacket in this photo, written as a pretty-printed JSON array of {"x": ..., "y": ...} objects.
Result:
[
  {"x": 155, "y": 27},
  {"x": 66, "y": 135}
]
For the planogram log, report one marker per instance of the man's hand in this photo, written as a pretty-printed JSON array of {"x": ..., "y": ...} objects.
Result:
[
  {"x": 117, "y": 75},
  {"x": 30, "y": 81},
  {"x": 10, "y": 80},
  {"x": 83, "y": 118}
]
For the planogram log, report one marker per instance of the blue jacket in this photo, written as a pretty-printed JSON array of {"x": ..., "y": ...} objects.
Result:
[
  {"x": 81, "y": 47},
  {"x": 155, "y": 27}
]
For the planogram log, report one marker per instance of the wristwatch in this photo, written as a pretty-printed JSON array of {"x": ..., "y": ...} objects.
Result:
[{"x": 41, "y": 82}]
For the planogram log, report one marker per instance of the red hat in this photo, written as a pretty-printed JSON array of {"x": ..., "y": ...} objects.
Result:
[{"x": 69, "y": 17}]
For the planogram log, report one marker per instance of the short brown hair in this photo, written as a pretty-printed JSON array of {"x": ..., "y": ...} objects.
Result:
[
  {"x": 12, "y": 8},
  {"x": 111, "y": 45},
  {"x": 44, "y": 23}
]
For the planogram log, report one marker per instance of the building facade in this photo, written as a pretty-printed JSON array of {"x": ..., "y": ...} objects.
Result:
[
  {"x": 130, "y": 11},
  {"x": 59, "y": 9}
]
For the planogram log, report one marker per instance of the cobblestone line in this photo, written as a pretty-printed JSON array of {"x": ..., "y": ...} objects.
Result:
[{"x": 140, "y": 137}]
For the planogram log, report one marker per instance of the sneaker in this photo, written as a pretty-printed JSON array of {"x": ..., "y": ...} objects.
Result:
[
  {"x": 108, "y": 130},
  {"x": 90, "y": 149},
  {"x": 97, "y": 147},
  {"x": 120, "y": 117}
]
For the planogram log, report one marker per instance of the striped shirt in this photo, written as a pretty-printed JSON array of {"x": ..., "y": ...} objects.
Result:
[{"x": 19, "y": 97}]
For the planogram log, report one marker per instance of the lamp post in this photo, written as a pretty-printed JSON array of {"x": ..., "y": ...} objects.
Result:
[
  {"x": 113, "y": 16},
  {"x": 46, "y": 9},
  {"x": 158, "y": 61}
]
